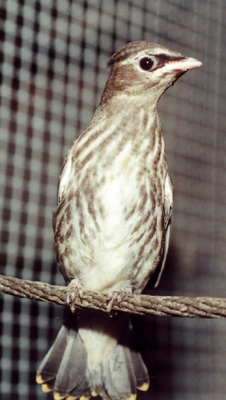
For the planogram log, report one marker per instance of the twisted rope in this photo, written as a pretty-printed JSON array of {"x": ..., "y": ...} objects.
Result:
[{"x": 175, "y": 306}]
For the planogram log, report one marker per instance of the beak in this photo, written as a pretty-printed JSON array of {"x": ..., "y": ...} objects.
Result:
[
  {"x": 182, "y": 65},
  {"x": 189, "y": 63}
]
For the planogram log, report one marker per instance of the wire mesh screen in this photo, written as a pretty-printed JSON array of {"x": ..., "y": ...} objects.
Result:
[{"x": 53, "y": 57}]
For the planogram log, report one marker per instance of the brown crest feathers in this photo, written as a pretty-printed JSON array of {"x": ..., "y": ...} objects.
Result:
[{"x": 132, "y": 48}]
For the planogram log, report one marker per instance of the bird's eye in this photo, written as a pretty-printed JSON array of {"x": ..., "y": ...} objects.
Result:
[{"x": 146, "y": 63}]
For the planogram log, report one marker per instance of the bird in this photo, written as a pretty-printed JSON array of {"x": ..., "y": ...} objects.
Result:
[{"x": 112, "y": 225}]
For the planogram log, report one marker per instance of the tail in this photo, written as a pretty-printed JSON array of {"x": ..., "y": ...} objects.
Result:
[{"x": 93, "y": 359}]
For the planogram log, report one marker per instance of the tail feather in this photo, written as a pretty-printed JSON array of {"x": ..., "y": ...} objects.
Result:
[
  {"x": 140, "y": 371},
  {"x": 48, "y": 368},
  {"x": 119, "y": 378},
  {"x": 67, "y": 371},
  {"x": 72, "y": 369},
  {"x": 63, "y": 368}
]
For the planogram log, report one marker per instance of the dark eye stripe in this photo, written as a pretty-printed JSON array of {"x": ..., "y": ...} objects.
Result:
[{"x": 164, "y": 58}]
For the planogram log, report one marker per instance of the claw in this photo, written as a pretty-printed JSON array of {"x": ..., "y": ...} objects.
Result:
[
  {"x": 74, "y": 291},
  {"x": 117, "y": 296}
]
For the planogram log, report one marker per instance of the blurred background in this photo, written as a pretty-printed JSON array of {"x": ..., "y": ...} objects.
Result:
[{"x": 53, "y": 58}]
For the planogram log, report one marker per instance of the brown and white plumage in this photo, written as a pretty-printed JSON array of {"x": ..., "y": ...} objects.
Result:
[{"x": 112, "y": 222}]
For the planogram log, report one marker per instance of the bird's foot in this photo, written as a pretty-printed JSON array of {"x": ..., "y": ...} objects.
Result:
[
  {"x": 74, "y": 291},
  {"x": 117, "y": 296}
]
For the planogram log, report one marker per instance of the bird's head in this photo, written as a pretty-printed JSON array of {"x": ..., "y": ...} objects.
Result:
[{"x": 145, "y": 66}]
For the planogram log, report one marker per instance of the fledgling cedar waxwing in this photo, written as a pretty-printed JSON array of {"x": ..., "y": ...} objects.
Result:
[{"x": 112, "y": 224}]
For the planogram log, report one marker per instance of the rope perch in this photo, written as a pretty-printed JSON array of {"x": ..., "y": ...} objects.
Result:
[{"x": 175, "y": 306}]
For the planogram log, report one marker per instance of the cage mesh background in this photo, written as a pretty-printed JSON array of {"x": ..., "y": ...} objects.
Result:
[{"x": 53, "y": 57}]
